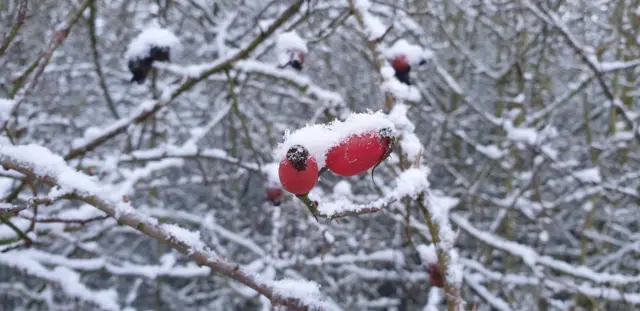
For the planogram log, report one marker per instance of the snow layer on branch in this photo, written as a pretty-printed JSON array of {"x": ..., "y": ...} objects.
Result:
[
  {"x": 179, "y": 234},
  {"x": 68, "y": 280},
  {"x": 375, "y": 29},
  {"x": 414, "y": 53},
  {"x": 410, "y": 143},
  {"x": 427, "y": 253},
  {"x": 271, "y": 172},
  {"x": 590, "y": 175},
  {"x": 44, "y": 163},
  {"x": 410, "y": 183},
  {"x": 6, "y": 105},
  {"x": 399, "y": 90},
  {"x": 291, "y": 41},
  {"x": 319, "y": 138},
  {"x": 152, "y": 36},
  {"x": 307, "y": 292}
]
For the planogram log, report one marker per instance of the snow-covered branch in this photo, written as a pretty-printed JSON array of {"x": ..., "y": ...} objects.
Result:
[{"x": 50, "y": 169}]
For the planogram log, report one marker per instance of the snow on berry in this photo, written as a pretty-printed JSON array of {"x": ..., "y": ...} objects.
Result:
[
  {"x": 150, "y": 37},
  {"x": 319, "y": 138},
  {"x": 413, "y": 53},
  {"x": 288, "y": 45}
]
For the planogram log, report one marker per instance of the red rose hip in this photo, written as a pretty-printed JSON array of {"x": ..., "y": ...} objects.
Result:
[
  {"x": 400, "y": 63},
  {"x": 298, "y": 171},
  {"x": 275, "y": 195},
  {"x": 359, "y": 153}
]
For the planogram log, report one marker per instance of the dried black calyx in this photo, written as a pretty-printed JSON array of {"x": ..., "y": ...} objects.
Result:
[
  {"x": 160, "y": 54},
  {"x": 403, "y": 76},
  {"x": 296, "y": 64},
  {"x": 387, "y": 132},
  {"x": 140, "y": 69},
  {"x": 297, "y": 156}
]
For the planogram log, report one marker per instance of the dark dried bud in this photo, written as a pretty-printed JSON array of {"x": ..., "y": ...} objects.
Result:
[
  {"x": 296, "y": 64},
  {"x": 297, "y": 156}
]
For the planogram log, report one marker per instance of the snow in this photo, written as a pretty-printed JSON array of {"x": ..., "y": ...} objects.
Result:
[
  {"x": 68, "y": 280},
  {"x": 427, "y": 253},
  {"x": 374, "y": 28},
  {"x": 414, "y": 53},
  {"x": 521, "y": 134},
  {"x": 400, "y": 90},
  {"x": 409, "y": 141},
  {"x": 342, "y": 189},
  {"x": 411, "y": 182},
  {"x": 152, "y": 36},
  {"x": 491, "y": 151},
  {"x": 307, "y": 292},
  {"x": 291, "y": 41},
  {"x": 179, "y": 234},
  {"x": 590, "y": 175},
  {"x": 328, "y": 237},
  {"x": 319, "y": 138},
  {"x": 6, "y": 105},
  {"x": 288, "y": 42},
  {"x": 45, "y": 163},
  {"x": 303, "y": 82},
  {"x": 531, "y": 257},
  {"x": 271, "y": 172}
]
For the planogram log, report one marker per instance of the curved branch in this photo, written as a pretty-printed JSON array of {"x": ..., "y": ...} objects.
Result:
[{"x": 51, "y": 170}]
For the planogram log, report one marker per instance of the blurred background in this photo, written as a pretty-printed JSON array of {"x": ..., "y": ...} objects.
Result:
[{"x": 528, "y": 118}]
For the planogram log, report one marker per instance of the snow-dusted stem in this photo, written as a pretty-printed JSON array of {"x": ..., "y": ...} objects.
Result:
[
  {"x": 454, "y": 303},
  {"x": 140, "y": 224}
]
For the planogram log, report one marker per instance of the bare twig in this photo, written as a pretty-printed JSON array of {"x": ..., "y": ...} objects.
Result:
[{"x": 22, "y": 13}]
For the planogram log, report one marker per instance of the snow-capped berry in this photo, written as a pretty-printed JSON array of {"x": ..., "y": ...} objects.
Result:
[
  {"x": 298, "y": 171},
  {"x": 275, "y": 195},
  {"x": 435, "y": 275},
  {"x": 400, "y": 63},
  {"x": 403, "y": 68},
  {"x": 359, "y": 153}
]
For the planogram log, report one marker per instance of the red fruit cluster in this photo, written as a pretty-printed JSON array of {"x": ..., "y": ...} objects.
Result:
[{"x": 355, "y": 155}]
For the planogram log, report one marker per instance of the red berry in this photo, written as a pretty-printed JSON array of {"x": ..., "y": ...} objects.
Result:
[
  {"x": 275, "y": 195},
  {"x": 358, "y": 153},
  {"x": 400, "y": 63},
  {"x": 435, "y": 275},
  {"x": 298, "y": 171}
]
